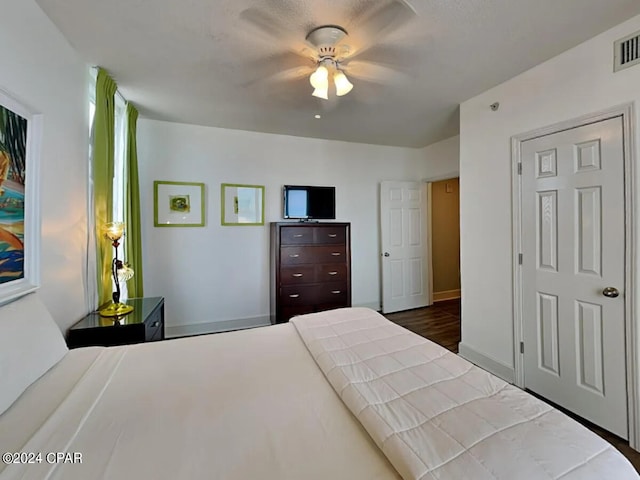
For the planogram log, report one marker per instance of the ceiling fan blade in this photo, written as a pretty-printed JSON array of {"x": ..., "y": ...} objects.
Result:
[
  {"x": 277, "y": 32},
  {"x": 369, "y": 24},
  {"x": 375, "y": 72},
  {"x": 291, "y": 74},
  {"x": 402, "y": 58},
  {"x": 273, "y": 65}
]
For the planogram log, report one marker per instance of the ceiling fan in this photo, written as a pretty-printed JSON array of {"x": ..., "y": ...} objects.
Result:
[
  {"x": 355, "y": 48},
  {"x": 325, "y": 38}
]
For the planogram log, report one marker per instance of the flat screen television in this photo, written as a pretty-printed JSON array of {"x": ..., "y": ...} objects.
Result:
[{"x": 308, "y": 202}]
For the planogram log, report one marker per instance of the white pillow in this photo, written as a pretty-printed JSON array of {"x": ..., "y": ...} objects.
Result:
[{"x": 30, "y": 344}]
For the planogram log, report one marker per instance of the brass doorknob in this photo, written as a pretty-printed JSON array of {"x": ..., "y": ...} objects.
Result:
[{"x": 611, "y": 292}]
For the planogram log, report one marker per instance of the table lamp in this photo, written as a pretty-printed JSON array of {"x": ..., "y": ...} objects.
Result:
[{"x": 119, "y": 270}]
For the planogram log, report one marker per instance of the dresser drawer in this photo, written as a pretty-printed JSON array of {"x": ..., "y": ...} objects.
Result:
[
  {"x": 297, "y": 274},
  {"x": 329, "y": 235},
  {"x": 155, "y": 336},
  {"x": 296, "y": 235},
  {"x": 332, "y": 272},
  {"x": 332, "y": 306},
  {"x": 153, "y": 326},
  {"x": 313, "y": 254},
  {"x": 299, "y": 294},
  {"x": 331, "y": 254},
  {"x": 289, "y": 312},
  {"x": 332, "y": 293},
  {"x": 308, "y": 235}
]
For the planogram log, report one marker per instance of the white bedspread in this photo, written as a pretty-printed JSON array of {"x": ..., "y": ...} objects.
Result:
[
  {"x": 234, "y": 406},
  {"x": 437, "y": 416}
]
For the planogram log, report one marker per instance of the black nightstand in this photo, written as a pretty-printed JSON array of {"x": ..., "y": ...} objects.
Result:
[{"x": 144, "y": 324}]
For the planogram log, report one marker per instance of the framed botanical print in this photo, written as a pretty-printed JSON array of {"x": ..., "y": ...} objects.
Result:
[{"x": 178, "y": 204}]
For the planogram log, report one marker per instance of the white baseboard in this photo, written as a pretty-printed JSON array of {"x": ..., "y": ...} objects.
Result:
[
  {"x": 446, "y": 295},
  {"x": 499, "y": 369},
  {"x": 503, "y": 371},
  {"x": 216, "y": 327},
  {"x": 229, "y": 325}
]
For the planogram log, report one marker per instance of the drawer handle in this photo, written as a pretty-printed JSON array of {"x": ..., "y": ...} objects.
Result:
[
  {"x": 335, "y": 254},
  {"x": 296, "y": 275},
  {"x": 294, "y": 295},
  {"x": 294, "y": 255},
  {"x": 332, "y": 273},
  {"x": 298, "y": 235},
  {"x": 336, "y": 291},
  {"x": 155, "y": 324},
  {"x": 333, "y": 235}
]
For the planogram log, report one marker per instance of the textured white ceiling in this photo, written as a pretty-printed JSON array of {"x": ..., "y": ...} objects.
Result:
[{"x": 239, "y": 63}]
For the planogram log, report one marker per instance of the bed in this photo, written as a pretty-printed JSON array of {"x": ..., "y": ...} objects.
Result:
[{"x": 343, "y": 394}]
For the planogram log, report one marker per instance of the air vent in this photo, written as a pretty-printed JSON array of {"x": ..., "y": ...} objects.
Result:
[{"x": 627, "y": 52}]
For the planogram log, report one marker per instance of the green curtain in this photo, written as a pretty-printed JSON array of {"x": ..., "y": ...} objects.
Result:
[
  {"x": 102, "y": 173},
  {"x": 133, "y": 238}
]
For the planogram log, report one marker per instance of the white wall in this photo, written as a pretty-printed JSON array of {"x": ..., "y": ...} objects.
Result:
[
  {"x": 578, "y": 82},
  {"x": 221, "y": 274},
  {"x": 443, "y": 158},
  {"x": 41, "y": 70}
]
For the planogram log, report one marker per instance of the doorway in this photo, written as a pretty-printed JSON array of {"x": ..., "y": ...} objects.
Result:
[{"x": 445, "y": 239}]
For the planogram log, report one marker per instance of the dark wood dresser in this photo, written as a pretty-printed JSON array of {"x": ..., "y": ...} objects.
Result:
[{"x": 310, "y": 268}]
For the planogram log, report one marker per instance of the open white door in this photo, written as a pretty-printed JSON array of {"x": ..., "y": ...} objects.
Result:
[{"x": 405, "y": 256}]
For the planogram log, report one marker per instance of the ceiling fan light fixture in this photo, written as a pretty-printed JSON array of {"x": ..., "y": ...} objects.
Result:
[
  {"x": 321, "y": 93},
  {"x": 326, "y": 35},
  {"x": 320, "y": 78},
  {"x": 343, "y": 85}
]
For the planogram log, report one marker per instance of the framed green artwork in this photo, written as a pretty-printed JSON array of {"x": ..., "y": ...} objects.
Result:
[
  {"x": 178, "y": 204},
  {"x": 242, "y": 205}
]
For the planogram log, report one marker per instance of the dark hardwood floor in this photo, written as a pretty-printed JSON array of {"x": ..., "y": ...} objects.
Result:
[{"x": 440, "y": 323}]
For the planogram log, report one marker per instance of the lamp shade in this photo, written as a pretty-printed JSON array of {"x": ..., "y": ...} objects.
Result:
[
  {"x": 343, "y": 85},
  {"x": 124, "y": 273},
  {"x": 114, "y": 230},
  {"x": 321, "y": 93},
  {"x": 320, "y": 78}
]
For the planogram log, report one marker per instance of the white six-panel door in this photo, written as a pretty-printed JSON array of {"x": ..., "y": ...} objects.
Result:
[
  {"x": 405, "y": 267},
  {"x": 573, "y": 239}
]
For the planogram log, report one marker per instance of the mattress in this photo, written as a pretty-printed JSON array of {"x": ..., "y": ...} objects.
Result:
[
  {"x": 344, "y": 394},
  {"x": 239, "y": 405}
]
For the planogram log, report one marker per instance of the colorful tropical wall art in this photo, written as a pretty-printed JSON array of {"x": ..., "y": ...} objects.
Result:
[{"x": 13, "y": 142}]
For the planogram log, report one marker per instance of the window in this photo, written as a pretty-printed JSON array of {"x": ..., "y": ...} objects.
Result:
[{"x": 119, "y": 154}]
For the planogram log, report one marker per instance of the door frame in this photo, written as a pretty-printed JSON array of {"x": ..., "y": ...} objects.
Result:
[{"x": 632, "y": 332}]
